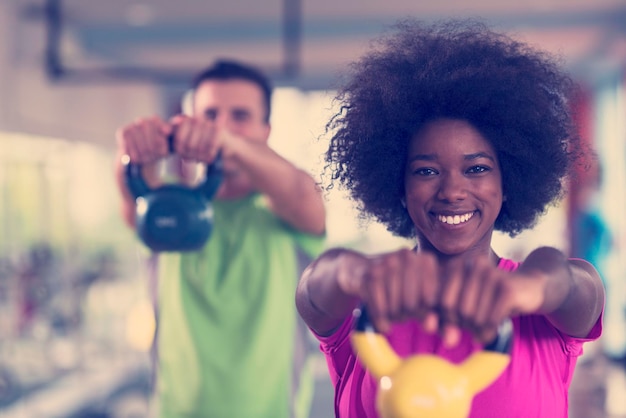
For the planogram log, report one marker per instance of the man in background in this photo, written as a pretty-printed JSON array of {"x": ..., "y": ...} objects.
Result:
[{"x": 227, "y": 324}]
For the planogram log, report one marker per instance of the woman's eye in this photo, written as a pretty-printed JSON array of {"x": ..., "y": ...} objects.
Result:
[
  {"x": 478, "y": 169},
  {"x": 424, "y": 172}
]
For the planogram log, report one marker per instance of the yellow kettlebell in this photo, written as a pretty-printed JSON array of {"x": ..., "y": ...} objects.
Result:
[{"x": 427, "y": 385}]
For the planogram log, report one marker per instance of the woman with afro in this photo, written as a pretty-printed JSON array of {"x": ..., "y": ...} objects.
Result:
[{"x": 447, "y": 132}]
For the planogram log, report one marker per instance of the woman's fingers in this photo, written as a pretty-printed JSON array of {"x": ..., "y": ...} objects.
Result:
[
  {"x": 405, "y": 285},
  {"x": 450, "y": 295},
  {"x": 487, "y": 298},
  {"x": 496, "y": 303},
  {"x": 396, "y": 271},
  {"x": 376, "y": 294},
  {"x": 450, "y": 335},
  {"x": 429, "y": 284},
  {"x": 400, "y": 285},
  {"x": 475, "y": 296}
]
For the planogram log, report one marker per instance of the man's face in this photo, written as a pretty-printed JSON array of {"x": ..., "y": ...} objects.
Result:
[{"x": 236, "y": 105}]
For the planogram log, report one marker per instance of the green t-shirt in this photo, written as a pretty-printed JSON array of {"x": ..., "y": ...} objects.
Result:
[{"x": 227, "y": 318}]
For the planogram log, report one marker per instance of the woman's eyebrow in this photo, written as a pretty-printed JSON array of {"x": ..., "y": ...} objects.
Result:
[
  {"x": 478, "y": 155},
  {"x": 433, "y": 157},
  {"x": 423, "y": 157}
]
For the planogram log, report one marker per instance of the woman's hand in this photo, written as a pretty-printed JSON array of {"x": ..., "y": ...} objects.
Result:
[
  {"x": 395, "y": 286},
  {"x": 478, "y": 296},
  {"x": 474, "y": 295}
]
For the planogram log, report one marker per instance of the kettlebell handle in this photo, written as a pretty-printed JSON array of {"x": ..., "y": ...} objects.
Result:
[
  {"x": 138, "y": 187},
  {"x": 170, "y": 144}
]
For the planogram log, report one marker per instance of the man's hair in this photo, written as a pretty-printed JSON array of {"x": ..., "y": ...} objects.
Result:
[{"x": 233, "y": 70}]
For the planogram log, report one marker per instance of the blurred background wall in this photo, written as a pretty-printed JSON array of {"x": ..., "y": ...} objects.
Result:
[{"x": 75, "y": 319}]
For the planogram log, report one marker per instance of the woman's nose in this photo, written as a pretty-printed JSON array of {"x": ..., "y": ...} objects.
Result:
[{"x": 452, "y": 188}]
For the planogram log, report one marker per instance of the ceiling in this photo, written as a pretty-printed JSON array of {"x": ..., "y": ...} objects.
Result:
[{"x": 298, "y": 42}]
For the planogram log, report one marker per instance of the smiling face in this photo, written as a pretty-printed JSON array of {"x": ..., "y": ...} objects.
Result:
[{"x": 453, "y": 188}]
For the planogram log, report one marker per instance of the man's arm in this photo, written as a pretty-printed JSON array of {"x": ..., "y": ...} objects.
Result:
[
  {"x": 144, "y": 141},
  {"x": 127, "y": 201},
  {"x": 293, "y": 194}
]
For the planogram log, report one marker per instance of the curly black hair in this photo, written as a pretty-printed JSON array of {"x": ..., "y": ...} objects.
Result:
[{"x": 517, "y": 97}]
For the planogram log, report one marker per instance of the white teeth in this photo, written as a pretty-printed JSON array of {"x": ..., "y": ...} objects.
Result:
[{"x": 456, "y": 219}]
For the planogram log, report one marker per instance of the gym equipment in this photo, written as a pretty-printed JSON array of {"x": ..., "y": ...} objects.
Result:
[
  {"x": 173, "y": 217},
  {"x": 427, "y": 385}
]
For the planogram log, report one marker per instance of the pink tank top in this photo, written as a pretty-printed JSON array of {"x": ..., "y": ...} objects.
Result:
[{"x": 535, "y": 384}]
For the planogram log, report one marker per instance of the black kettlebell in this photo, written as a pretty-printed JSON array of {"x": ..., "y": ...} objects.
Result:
[{"x": 173, "y": 217}]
